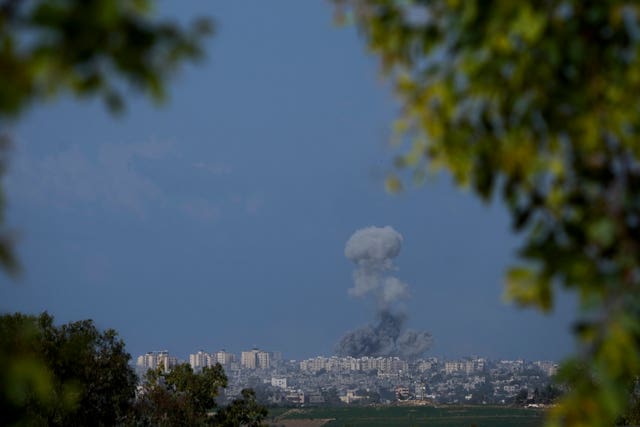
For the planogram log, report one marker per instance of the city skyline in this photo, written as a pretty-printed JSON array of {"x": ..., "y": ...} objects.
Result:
[
  {"x": 222, "y": 216},
  {"x": 225, "y": 357},
  {"x": 372, "y": 379}
]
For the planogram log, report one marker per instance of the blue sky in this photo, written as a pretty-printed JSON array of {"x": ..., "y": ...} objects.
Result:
[{"x": 219, "y": 220}]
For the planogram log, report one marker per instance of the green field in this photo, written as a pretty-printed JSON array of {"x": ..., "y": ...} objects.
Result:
[{"x": 405, "y": 416}]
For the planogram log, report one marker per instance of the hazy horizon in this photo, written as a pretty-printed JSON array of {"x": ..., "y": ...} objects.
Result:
[{"x": 220, "y": 220}]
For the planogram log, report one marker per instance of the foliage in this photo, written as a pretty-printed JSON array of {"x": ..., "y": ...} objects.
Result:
[
  {"x": 182, "y": 397},
  {"x": 331, "y": 397},
  {"x": 521, "y": 397},
  {"x": 179, "y": 396},
  {"x": 25, "y": 378},
  {"x": 632, "y": 416},
  {"x": 547, "y": 395},
  {"x": 68, "y": 375},
  {"x": 75, "y": 375},
  {"x": 535, "y": 101},
  {"x": 86, "y": 47},
  {"x": 244, "y": 411}
]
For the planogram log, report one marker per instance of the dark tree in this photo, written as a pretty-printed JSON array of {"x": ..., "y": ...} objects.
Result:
[
  {"x": 183, "y": 397},
  {"x": 244, "y": 411},
  {"x": 331, "y": 397},
  {"x": 521, "y": 397},
  {"x": 77, "y": 374}
]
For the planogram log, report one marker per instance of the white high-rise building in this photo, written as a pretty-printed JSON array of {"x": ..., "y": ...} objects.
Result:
[
  {"x": 200, "y": 360},
  {"x": 224, "y": 357},
  {"x": 166, "y": 361},
  {"x": 147, "y": 361},
  {"x": 155, "y": 359},
  {"x": 248, "y": 359},
  {"x": 263, "y": 361},
  {"x": 255, "y": 358}
]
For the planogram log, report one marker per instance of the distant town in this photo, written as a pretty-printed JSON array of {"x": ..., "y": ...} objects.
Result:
[{"x": 369, "y": 380}]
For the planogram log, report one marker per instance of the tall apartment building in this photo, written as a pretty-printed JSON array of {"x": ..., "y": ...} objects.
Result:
[
  {"x": 248, "y": 359},
  {"x": 255, "y": 358},
  {"x": 388, "y": 365},
  {"x": 468, "y": 366},
  {"x": 147, "y": 361},
  {"x": 224, "y": 357},
  {"x": 264, "y": 362},
  {"x": 155, "y": 359},
  {"x": 166, "y": 361},
  {"x": 200, "y": 360}
]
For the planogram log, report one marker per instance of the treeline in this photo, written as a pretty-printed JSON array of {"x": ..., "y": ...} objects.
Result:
[
  {"x": 545, "y": 396},
  {"x": 76, "y": 375}
]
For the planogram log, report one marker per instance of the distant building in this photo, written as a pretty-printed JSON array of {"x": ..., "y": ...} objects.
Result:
[
  {"x": 156, "y": 359},
  {"x": 200, "y": 360},
  {"x": 384, "y": 365},
  {"x": 315, "y": 398},
  {"x": 263, "y": 360},
  {"x": 254, "y": 359},
  {"x": 468, "y": 366},
  {"x": 426, "y": 365},
  {"x": 166, "y": 361},
  {"x": 512, "y": 365},
  {"x": 512, "y": 390},
  {"x": 248, "y": 359},
  {"x": 351, "y": 397},
  {"x": 294, "y": 396},
  {"x": 147, "y": 361},
  {"x": 224, "y": 357},
  {"x": 279, "y": 382},
  {"x": 549, "y": 368}
]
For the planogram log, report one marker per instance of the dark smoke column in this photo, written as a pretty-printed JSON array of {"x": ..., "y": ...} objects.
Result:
[{"x": 373, "y": 249}]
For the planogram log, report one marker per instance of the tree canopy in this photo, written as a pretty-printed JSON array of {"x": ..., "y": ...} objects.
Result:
[
  {"x": 182, "y": 397},
  {"x": 88, "y": 47},
  {"x": 71, "y": 375},
  {"x": 534, "y": 102},
  {"x": 76, "y": 375}
]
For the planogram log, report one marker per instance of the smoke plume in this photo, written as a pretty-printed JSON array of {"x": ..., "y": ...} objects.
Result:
[{"x": 373, "y": 249}]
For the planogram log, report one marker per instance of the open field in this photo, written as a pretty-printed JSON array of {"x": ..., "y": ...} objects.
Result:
[{"x": 411, "y": 416}]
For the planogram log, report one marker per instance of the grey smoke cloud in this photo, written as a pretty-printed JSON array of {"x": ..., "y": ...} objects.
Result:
[
  {"x": 373, "y": 249},
  {"x": 377, "y": 244},
  {"x": 385, "y": 338}
]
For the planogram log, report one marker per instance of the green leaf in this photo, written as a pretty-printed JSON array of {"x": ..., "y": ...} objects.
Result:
[{"x": 526, "y": 287}]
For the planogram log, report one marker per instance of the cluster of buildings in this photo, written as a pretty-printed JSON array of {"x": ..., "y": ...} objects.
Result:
[
  {"x": 467, "y": 366},
  {"x": 251, "y": 359},
  {"x": 348, "y": 380},
  {"x": 334, "y": 364},
  {"x": 154, "y": 360},
  {"x": 202, "y": 359}
]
